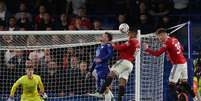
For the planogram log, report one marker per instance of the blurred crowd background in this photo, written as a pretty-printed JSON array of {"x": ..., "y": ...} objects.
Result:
[{"x": 95, "y": 14}]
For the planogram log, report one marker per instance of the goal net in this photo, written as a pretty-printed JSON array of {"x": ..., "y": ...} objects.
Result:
[{"x": 62, "y": 59}]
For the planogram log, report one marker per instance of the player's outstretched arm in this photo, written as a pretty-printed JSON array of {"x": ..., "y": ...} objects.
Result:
[{"x": 152, "y": 52}]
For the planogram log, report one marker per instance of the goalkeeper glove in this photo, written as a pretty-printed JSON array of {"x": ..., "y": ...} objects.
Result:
[
  {"x": 11, "y": 99},
  {"x": 44, "y": 96}
]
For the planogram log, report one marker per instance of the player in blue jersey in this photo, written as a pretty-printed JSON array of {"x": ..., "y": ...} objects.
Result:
[{"x": 104, "y": 53}]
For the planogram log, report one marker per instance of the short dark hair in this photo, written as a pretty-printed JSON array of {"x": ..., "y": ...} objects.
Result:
[
  {"x": 132, "y": 32},
  {"x": 29, "y": 64},
  {"x": 133, "y": 29},
  {"x": 160, "y": 30},
  {"x": 109, "y": 35}
]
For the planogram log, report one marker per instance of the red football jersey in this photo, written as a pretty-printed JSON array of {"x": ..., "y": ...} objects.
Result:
[
  {"x": 173, "y": 49},
  {"x": 127, "y": 50}
]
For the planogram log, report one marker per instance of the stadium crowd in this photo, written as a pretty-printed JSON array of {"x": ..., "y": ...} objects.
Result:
[
  {"x": 63, "y": 70},
  {"x": 87, "y": 14}
]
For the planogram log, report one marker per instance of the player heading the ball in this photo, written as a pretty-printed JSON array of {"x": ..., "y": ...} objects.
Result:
[
  {"x": 30, "y": 84},
  {"x": 174, "y": 52},
  {"x": 123, "y": 67}
]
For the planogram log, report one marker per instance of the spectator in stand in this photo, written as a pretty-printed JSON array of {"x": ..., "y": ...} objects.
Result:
[
  {"x": 97, "y": 25},
  {"x": 84, "y": 85},
  {"x": 12, "y": 24},
  {"x": 18, "y": 61},
  {"x": 76, "y": 5},
  {"x": 165, "y": 22},
  {"x": 181, "y": 6},
  {"x": 4, "y": 13},
  {"x": 70, "y": 59},
  {"x": 39, "y": 17},
  {"x": 77, "y": 23},
  {"x": 36, "y": 54},
  {"x": 54, "y": 82},
  {"x": 85, "y": 21},
  {"x": 121, "y": 19},
  {"x": 145, "y": 24},
  {"x": 23, "y": 21},
  {"x": 84, "y": 54},
  {"x": 142, "y": 8},
  {"x": 158, "y": 9},
  {"x": 71, "y": 81},
  {"x": 47, "y": 56},
  {"x": 8, "y": 55},
  {"x": 37, "y": 58},
  {"x": 63, "y": 22},
  {"x": 82, "y": 22},
  {"x": 45, "y": 22},
  {"x": 76, "y": 83},
  {"x": 23, "y": 12},
  {"x": 71, "y": 27},
  {"x": 56, "y": 7},
  {"x": 2, "y": 25},
  {"x": 22, "y": 28}
]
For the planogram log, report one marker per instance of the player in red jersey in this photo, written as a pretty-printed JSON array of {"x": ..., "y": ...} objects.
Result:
[
  {"x": 174, "y": 52},
  {"x": 123, "y": 67}
]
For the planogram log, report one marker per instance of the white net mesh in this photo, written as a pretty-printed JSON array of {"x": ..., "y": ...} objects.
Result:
[
  {"x": 62, "y": 59},
  {"x": 151, "y": 73}
]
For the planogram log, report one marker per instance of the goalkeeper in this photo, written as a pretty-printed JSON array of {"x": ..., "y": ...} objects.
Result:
[
  {"x": 30, "y": 83},
  {"x": 104, "y": 53}
]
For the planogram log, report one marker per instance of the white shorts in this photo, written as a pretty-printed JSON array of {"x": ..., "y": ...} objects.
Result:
[
  {"x": 122, "y": 68},
  {"x": 178, "y": 71}
]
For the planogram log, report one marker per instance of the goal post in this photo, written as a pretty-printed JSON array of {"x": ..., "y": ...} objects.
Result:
[{"x": 137, "y": 70}]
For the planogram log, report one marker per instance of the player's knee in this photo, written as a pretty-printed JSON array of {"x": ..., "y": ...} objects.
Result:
[
  {"x": 121, "y": 90},
  {"x": 122, "y": 82}
]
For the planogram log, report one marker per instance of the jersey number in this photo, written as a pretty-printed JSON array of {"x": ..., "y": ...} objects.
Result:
[{"x": 178, "y": 47}]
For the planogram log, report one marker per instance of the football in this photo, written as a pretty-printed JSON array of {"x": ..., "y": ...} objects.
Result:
[{"x": 124, "y": 28}]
